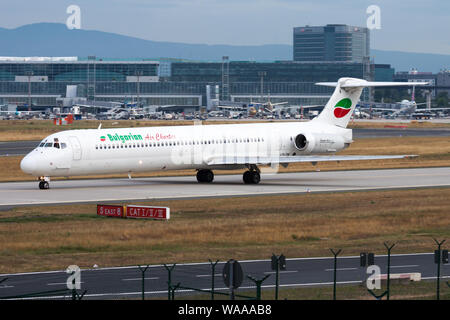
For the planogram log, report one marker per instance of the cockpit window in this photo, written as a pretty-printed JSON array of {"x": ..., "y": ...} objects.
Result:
[
  {"x": 56, "y": 144},
  {"x": 41, "y": 144},
  {"x": 49, "y": 144}
]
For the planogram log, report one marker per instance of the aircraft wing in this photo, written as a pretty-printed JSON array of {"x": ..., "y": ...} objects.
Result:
[
  {"x": 432, "y": 109},
  {"x": 166, "y": 107},
  {"x": 278, "y": 103},
  {"x": 382, "y": 109},
  {"x": 25, "y": 112},
  {"x": 312, "y": 106},
  {"x": 231, "y": 108},
  {"x": 262, "y": 160}
]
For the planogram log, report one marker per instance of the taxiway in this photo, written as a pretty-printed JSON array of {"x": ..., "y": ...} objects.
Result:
[{"x": 186, "y": 187}]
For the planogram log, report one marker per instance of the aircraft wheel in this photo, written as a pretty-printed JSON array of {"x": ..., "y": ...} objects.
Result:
[
  {"x": 251, "y": 177},
  {"x": 246, "y": 177},
  {"x": 44, "y": 185},
  {"x": 205, "y": 176},
  {"x": 255, "y": 177}
]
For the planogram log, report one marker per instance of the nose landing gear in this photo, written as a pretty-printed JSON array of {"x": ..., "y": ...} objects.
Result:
[{"x": 44, "y": 183}]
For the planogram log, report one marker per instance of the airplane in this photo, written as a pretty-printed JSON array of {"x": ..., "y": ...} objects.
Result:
[
  {"x": 269, "y": 107},
  {"x": 22, "y": 114},
  {"x": 205, "y": 147},
  {"x": 360, "y": 114},
  {"x": 407, "y": 107}
]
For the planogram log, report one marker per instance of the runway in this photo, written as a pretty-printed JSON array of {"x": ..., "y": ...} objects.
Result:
[
  {"x": 126, "y": 282},
  {"x": 186, "y": 187}
]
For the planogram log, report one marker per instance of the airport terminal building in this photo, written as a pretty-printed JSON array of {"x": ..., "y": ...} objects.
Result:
[{"x": 44, "y": 81}]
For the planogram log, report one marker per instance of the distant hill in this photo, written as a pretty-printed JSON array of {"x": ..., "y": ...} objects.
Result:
[
  {"x": 404, "y": 61},
  {"x": 54, "y": 39}
]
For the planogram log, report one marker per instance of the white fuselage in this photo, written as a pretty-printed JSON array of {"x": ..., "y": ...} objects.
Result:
[{"x": 126, "y": 150}]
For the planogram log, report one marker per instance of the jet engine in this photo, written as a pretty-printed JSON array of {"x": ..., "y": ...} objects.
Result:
[{"x": 319, "y": 143}]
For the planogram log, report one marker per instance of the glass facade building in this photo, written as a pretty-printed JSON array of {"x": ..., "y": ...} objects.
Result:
[
  {"x": 289, "y": 81},
  {"x": 333, "y": 42},
  {"x": 384, "y": 72},
  {"x": 178, "y": 83}
]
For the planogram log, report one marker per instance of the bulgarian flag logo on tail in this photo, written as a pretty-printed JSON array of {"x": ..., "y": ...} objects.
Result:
[
  {"x": 342, "y": 108},
  {"x": 102, "y": 138}
]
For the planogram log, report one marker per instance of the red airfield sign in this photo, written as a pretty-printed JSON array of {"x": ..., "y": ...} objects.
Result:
[
  {"x": 110, "y": 211},
  {"x": 162, "y": 213}
]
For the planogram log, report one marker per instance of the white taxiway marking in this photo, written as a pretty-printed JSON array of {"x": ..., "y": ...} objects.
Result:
[
  {"x": 342, "y": 269},
  {"x": 408, "y": 266},
  {"x": 6, "y": 287},
  {"x": 208, "y": 275},
  {"x": 137, "y": 279},
  {"x": 59, "y": 284},
  {"x": 271, "y": 272}
]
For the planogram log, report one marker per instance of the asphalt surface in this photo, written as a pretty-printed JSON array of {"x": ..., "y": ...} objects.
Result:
[
  {"x": 126, "y": 282},
  {"x": 186, "y": 187},
  {"x": 18, "y": 148}
]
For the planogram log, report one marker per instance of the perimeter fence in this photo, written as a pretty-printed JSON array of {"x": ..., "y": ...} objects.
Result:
[{"x": 248, "y": 280}]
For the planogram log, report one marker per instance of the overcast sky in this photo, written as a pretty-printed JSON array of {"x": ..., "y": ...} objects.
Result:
[{"x": 406, "y": 25}]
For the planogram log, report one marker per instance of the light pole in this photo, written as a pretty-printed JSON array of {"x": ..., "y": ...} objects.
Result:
[
  {"x": 29, "y": 75},
  {"x": 92, "y": 59},
  {"x": 138, "y": 73},
  {"x": 262, "y": 74}
]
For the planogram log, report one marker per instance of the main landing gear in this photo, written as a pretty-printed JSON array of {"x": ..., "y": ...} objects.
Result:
[
  {"x": 252, "y": 176},
  {"x": 205, "y": 176},
  {"x": 44, "y": 183}
]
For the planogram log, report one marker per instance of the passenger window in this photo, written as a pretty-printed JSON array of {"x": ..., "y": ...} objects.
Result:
[{"x": 63, "y": 145}]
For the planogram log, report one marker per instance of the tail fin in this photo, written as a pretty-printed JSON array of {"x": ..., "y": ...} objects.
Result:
[{"x": 342, "y": 103}]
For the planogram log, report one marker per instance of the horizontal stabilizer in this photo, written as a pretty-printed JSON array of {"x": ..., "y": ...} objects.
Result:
[{"x": 356, "y": 83}]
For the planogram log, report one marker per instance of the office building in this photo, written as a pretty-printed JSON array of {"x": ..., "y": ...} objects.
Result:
[{"x": 333, "y": 42}]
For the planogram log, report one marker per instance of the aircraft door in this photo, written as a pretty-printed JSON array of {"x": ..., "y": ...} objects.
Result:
[{"x": 76, "y": 148}]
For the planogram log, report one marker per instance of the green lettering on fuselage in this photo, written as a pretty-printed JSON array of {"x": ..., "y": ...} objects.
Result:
[{"x": 124, "y": 138}]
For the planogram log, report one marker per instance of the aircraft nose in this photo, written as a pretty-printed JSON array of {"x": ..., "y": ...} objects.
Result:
[{"x": 28, "y": 164}]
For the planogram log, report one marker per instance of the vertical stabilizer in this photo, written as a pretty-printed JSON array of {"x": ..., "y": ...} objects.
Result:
[{"x": 342, "y": 103}]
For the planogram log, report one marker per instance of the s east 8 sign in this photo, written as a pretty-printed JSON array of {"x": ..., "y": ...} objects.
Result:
[
  {"x": 109, "y": 211},
  {"x": 148, "y": 212}
]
